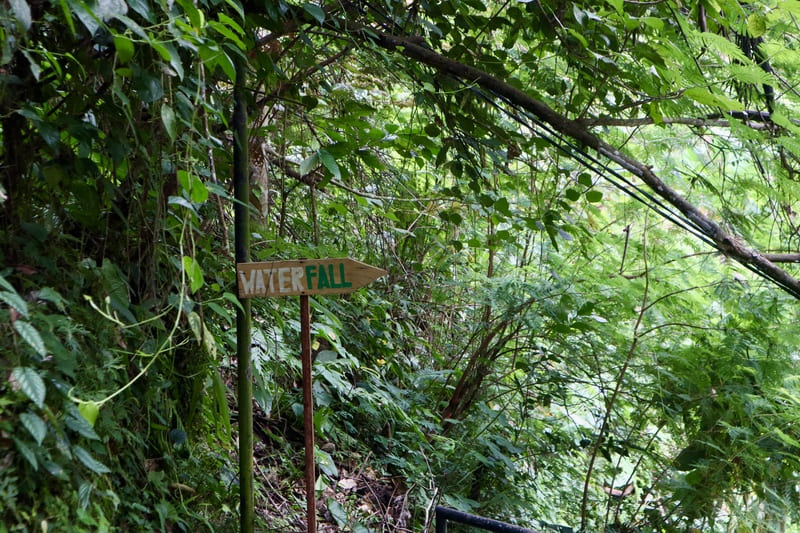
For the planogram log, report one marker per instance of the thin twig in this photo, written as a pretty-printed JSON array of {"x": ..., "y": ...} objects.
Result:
[{"x": 610, "y": 405}]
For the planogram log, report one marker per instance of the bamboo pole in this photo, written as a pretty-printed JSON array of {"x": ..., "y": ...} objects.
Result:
[{"x": 241, "y": 191}]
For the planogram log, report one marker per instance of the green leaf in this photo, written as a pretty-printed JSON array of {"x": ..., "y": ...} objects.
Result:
[
  {"x": 723, "y": 46},
  {"x": 654, "y": 22},
  {"x": 147, "y": 86},
  {"x": 209, "y": 343},
  {"x": 756, "y": 25},
  {"x": 108, "y": 9},
  {"x": 325, "y": 462},
  {"x": 193, "y": 272},
  {"x": 617, "y": 5},
  {"x": 237, "y": 6},
  {"x": 594, "y": 196},
  {"x": 195, "y": 16},
  {"x": 309, "y": 164},
  {"x": 36, "y": 70},
  {"x": 185, "y": 180},
  {"x": 225, "y": 31},
  {"x": 31, "y": 383},
  {"x": 6, "y": 285},
  {"x": 142, "y": 7},
  {"x": 330, "y": 163},
  {"x": 35, "y": 426},
  {"x": 89, "y": 411},
  {"x": 90, "y": 462},
  {"x": 80, "y": 425},
  {"x": 174, "y": 59},
  {"x": 232, "y": 298},
  {"x": 15, "y": 302},
  {"x": 222, "y": 415},
  {"x": 168, "y": 118},
  {"x": 27, "y": 453},
  {"x": 199, "y": 192},
  {"x": 338, "y": 512},
  {"x": 124, "y": 48},
  {"x": 225, "y": 19},
  {"x": 226, "y": 64},
  {"x": 196, "y": 323},
  {"x": 50, "y": 295},
  {"x": 315, "y": 11},
  {"x": 780, "y": 118},
  {"x": 706, "y": 97},
  {"x": 31, "y": 335},
  {"x": 22, "y": 12},
  {"x": 194, "y": 186},
  {"x": 750, "y": 73}
]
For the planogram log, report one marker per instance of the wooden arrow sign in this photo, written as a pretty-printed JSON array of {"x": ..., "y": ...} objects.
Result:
[{"x": 303, "y": 277}]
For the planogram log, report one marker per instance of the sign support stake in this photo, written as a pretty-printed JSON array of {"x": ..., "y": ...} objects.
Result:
[{"x": 308, "y": 414}]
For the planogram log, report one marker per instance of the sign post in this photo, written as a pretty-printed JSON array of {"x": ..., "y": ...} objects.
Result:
[{"x": 305, "y": 277}]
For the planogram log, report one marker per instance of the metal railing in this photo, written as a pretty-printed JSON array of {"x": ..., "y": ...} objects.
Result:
[{"x": 445, "y": 515}]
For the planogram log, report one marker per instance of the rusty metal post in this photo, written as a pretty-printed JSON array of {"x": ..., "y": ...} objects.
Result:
[{"x": 308, "y": 414}]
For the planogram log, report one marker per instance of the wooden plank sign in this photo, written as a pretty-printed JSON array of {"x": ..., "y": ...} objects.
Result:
[{"x": 303, "y": 277}]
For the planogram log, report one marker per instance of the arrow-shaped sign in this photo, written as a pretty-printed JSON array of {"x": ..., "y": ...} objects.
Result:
[{"x": 304, "y": 277}]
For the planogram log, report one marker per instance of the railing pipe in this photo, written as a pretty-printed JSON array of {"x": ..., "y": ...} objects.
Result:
[{"x": 445, "y": 514}]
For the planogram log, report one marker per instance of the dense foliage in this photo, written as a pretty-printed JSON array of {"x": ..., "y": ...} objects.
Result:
[{"x": 555, "y": 343}]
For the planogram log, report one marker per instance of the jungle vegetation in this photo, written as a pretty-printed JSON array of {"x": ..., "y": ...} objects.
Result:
[{"x": 588, "y": 214}]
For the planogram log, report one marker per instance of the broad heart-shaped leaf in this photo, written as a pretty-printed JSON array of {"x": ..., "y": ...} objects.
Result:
[
  {"x": 90, "y": 462},
  {"x": 199, "y": 190},
  {"x": 89, "y": 411},
  {"x": 594, "y": 196},
  {"x": 31, "y": 336},
  {"x": 31, "y": 383},
  {"x": 192, "y": 184},
  {"x": 35, "y": 426},
  {"x": 124, "y": 48},
  {"x": 193, "y": 272}
]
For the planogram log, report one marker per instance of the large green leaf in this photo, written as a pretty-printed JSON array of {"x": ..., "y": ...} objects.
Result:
[
  {"x": 15, "y": 301},
  {"x": 35, "y": 426},
  {"x": 31, "y": 335},
  {"x": 124, "y": 47},
  {"x": 193, "y": 272},
  {"x": 22, "y": 13},
  {"x": 31, "y": 383},
  {"x": 90, "y": 462}
]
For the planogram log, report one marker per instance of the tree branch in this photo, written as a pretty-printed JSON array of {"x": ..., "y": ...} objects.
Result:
[
  {"x": 724, "y": 242},
  {"x": 783, "y": 258},
  {"x": 687, "y": 121}
]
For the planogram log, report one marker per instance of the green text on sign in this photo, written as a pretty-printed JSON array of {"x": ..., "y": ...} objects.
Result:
[{"x": 303, "y": 276}]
